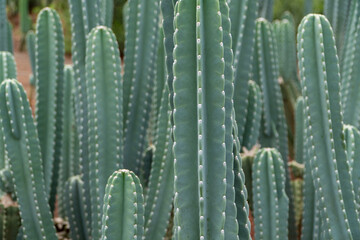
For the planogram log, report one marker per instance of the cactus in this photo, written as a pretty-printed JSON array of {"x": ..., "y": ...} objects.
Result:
[
  {"x": 139, "y": 70},
  {"x": 23, "y": 148},
  {"x": 319, "y": 70},
  {"x": 247, "y": 163},
  {"x": 266, "y": 9},
  {"x": 74, "y": 208},
  {"x": 199, "y": 121},
  {"x": 104, "y": 98},
  {"x": 5, "y": 29},
  {"x": 253, "y": 117},
  {"x": 67, "y": 161},
  {"x": 308, "y": 6},
  {"x": 299, "y": 131},
  {"x": 30, "y": 45},
  {"x": 123, "y": 209},
  {"x": 49, "y": 54},
  {"x": 337, "y": 13},
  {"x": 9, "y": 221},
  {"x": 352, "y": 139},
  {"x": 243, "y": 15},
  {"x": 297, "y": 189},
  {"x": 349, "y": 90},
  {"x": 271, "y": 203},
  {"x": 107, "y": 12},
  {"x": 7, "y": 66}
]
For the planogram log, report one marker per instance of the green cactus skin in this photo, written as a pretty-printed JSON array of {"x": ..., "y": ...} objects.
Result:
[
  {"x": 30, "y": 45},
  {"x": 7, "y": 66},
  {"x": 266, "y": 9},
  {"x": 349, "y": 90},
  {"x": 84, "y": 17},
  {"x": 297, "y": 189},
  {"x": 241, "y": 194},
  {"x": 107, "y": 12},
  {"x": 139, "y": 71},
  {"x": 270, "y": 200},
  {"x": 25, "y": 20},
  {"x": 247, "y": 163},
  {"x": 160, "y": 191},
  {"x": 3, "y": 27},
  {"x": 49, "y": 54},
  {"x": 104, "y": 98},
  {"x": 352, "y": 139},
  {"x": 243, "y": 15},
  {"x": 123, "y": 209},
  {"x": 299, "y": 131},
  {"x": 67, "y": 152},
  {"x": 253, "y": 117},
  {"x": 6, "y": 183},
  {"x": 10, "y": 222},
  {"x": 199, "y": 121},
  {"x": 319, "y": 70},
  {"x": 308, "y": 6},
  {"x": 75, "y": 208},
  {"x": 23, "y": 149},
  {"x": 337, "y": 13}
]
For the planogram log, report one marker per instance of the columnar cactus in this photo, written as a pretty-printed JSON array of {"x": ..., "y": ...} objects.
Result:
[
  {"x": 243, "y": 15},
  {"x": 104, "y": 98},
  {"x": 30, "y": 45},
  {"x": 123, "y": 209},
  {"x": 67, "y": 161},
  {"x": 271, "y": 204},
  {"x": 199, "y": 121},
  {"x": 23, "y": 149},
  {"x": 352, "y": 139},
  {"x": 25, "y": 20},
  {"x": 107, "y": 12},
  {"x": 308, "y": 6},
  {"x": 7, "y": 66},
  {"x": 5, "y": 29},
  {"x": 319, "y": 70},
  {"x": 139, "y": 71},
  {"x": 75, "y": 209},
  {"x": 10, "y": 221},
  {"x": 299, "y": 131},
  {"x": 266, "y": 9},
  {"x": 253, "y": 117},
  {"x": 49, "y": 54}
]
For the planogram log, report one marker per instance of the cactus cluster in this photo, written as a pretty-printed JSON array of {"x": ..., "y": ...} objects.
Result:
[{"x": 216, "y": 124}]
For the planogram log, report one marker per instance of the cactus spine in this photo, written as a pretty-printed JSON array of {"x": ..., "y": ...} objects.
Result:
[
  {"x": 319, "y": 69},
  {"x": 270, "y": 200},
  {"x": 49, "y": 86},
  {"x": 140, "y": 58},
  {"x": 104, "y": 98},
  {"x": 199, "y": 121},
  {"x": 23, "y": 148},
  {"x": 123, "y": 209}
]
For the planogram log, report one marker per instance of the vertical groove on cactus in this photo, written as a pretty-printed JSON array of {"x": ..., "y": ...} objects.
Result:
[
  {"x": 253, "y": 116},
  {"x": 139, "y": 71},
  {"x": 104, "y": 98},
  {"x": 75, "y": 209},
  {"x": 67, "y": 151},
  {"x": 23, "y": 148},
  {"x": 83, "y": 19},
  {"x": 123, "y": 207},
  {"x": 49, "y": 87},
  {"x": 107, "y": 12},
  {"x": 199, "y": 121},
  {"x": 243, "y": 15},
  {"x": 270, "y": 200},
  {"x": 319, "y": 69}
]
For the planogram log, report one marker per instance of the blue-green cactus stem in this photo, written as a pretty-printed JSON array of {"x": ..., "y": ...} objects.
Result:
[
  {"x": 10, "y": 41},
  {"x": 308, "y": 6},
  {"x": 271, "y": 203},
  {"x": 6, "y": 183},
  {"x": 123, "y": 208},
  {"x": 199, "y": 121},
  {"x": 319, "y": 69},
  {"x": 23, "y": 149},
  {"x": 160, "y": 191},
  {"x": 107, "y": 12},
  {"x": 266, "y": 9},
  {"x": 67, "y": 151},
  {"x": 84, "y": 16},
  {"x": 75, "y": 211},
  {"x": 299, "y": 131},
  {"x": 352, "y": 139},
  {"x": 49, "y": 54},
  {"x": 297, "y": 189},
  {"x": 10, "y": 221},
  {"x": 253, "y": 117},
  {"x": 243, "y": 15},
  {"x": 141, "y": 46},
  {"x": 337, "y": 12},
  {"x": 104, "y": 98},
  {"x": 30, "y": 45},
  {"x": 349, "y": 89},
  {"x": 25, "y": 20},
  {"x": 246, "y": 164},
  {"x": 7, "y": 66},
  {"x": 5, "y": 38}
]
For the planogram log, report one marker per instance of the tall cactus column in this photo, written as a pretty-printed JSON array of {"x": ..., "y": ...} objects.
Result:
[
  {"x": 199, "y": 121},
  {"x": 104, "y": 97},
  {"x": 319, "y": 70}
]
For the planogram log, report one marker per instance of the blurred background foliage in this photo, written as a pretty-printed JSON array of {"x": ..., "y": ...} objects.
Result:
[{"x": 296, "y": 7}]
